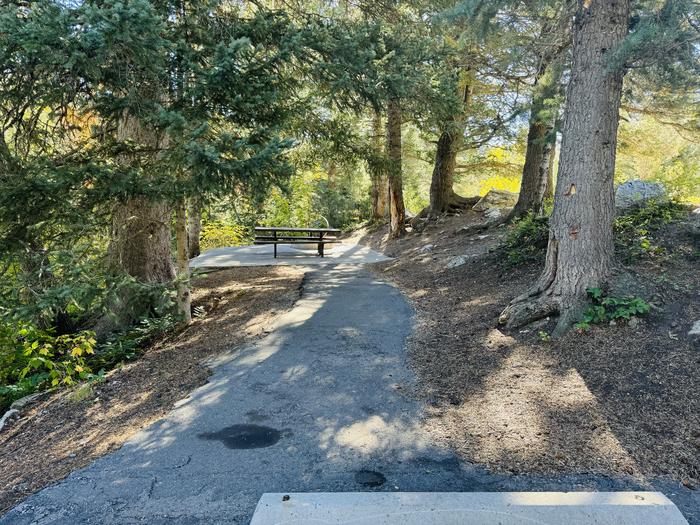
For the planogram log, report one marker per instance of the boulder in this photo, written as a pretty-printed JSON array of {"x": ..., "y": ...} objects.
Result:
[
  {"x": 496, "y": 199},
  {"x": 637, "y": 193}
]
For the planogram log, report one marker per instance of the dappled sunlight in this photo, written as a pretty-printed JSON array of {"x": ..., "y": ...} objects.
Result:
[
  {"x": 512, "y": 418},
  {"x": 260, "y": 354},
  {"x": 373, "y": 434}
]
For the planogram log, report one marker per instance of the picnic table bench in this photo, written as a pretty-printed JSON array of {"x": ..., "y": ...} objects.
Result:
[{"x": 281, "y": 235}]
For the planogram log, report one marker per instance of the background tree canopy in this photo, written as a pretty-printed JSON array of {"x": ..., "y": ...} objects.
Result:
[{"x": 134, "y": 131}]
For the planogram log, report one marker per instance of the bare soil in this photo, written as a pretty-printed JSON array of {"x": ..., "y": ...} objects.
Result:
[
  {"x": 615, "y": 400},
  {"x": 66, "y": 430}
]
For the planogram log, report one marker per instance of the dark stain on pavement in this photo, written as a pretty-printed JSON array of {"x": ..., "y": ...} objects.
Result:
[
  {"x": 370, "y": 478},
  {"x": 245, "y": 436}
]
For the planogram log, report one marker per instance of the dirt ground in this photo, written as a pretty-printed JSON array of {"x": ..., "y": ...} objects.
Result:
[
  {"x": 67, "y": 430},
  {"x": 616, "y": 400}
]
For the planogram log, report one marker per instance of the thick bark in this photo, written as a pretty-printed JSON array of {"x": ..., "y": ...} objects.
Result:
[
  {"x": 441, "y": 185},
  {"x": 549, "y": 189},
  {"x": 194, "y": 227},
  {"x": 380, "y": 188},
  {"x": 541, "y": 139},
  {"x": 140, "y": 243},
  {"x": 397, "y": 212},
  {"x": 580, "y": 250},
  {"x": 442, "y": 195},
  {"x": 183, "y": 263}
]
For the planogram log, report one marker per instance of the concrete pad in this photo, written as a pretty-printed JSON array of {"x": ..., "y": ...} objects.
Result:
[
  {"x": 261, "y": 255},
  {"x": 466, "y": 508}
]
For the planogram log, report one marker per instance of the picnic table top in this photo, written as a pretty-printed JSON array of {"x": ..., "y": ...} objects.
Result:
[{"x": 285, "y": 229}]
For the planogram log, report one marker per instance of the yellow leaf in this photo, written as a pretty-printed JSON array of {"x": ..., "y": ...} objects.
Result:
[
  {"x": 77, "y": 351},
  {"x": 78, "y": 368}
]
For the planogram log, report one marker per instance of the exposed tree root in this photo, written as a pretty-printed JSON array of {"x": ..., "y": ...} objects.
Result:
[
  {"x": 456, "y": 204},
  {"x": 482, "y": 226},
  {"x": 543, "y": 300}
]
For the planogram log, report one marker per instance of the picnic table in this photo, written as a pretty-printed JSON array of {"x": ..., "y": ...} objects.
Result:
[{"x": 282, "y": 235}]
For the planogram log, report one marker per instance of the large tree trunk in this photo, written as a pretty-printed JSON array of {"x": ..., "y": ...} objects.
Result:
[
  {"x": 140, "y": 243},
  {"x": 580, "y": 250},
  {"x": 441, "y": 192},
  {"x": 541, "y": 139},
  {"x": 194, "y": 227},
  {"x": 549, "y": 189},
  {"x": 397, "y": 212},
  {"x": 442, "y": 195},
  {"x": 183, "y": 263},
  {"x": 379, "y": 191}
]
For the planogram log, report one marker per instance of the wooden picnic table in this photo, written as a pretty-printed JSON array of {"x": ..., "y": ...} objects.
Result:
[{"x": 284, "y": 235}]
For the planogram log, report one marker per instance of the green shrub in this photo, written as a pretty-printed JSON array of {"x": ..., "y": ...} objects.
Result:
[
  {"x": 605, "y": 309},
  {"x": 527, "y": 239},
  {"x": 634, "y": 231},
  {"x": 32, "y": 359},
  {"x": 125, "y": 345}
]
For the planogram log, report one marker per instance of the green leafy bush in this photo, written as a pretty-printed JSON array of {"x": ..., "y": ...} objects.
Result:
[
  {"x": 125, "y": 345},
  {"x": 634, "y": 231},
  {"x": 605, "y": 309},
  {"x": 527, "y": 239},
  {"x": 32, "y": 359}
]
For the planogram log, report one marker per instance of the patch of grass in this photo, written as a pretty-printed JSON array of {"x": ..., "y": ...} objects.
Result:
[{"x": 81, "y": 393}]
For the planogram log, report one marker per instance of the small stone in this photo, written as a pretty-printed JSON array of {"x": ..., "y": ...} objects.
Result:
[
  {"x": 427, "y": 248},
  {"x": 695, "y": 329},
  {"x": 634, "y": 322},
  {"x": 694, "y": 333},
  {"x": 457, "y": 261},
  {"x": 12, "y": 413}
]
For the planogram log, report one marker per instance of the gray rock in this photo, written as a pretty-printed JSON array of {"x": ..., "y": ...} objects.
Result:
[
  {"x": 637, "y": 193},
  {"x": 496, "y": 199},
  {"x": 694, "y": 332},
  {"x": 26, "y": 400},
  {"x": 8, "y": 415},
  {"x": 427, "y": 248},
  {"x": 458, "y": 261},
  {"x": 493, "y": 214}
]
